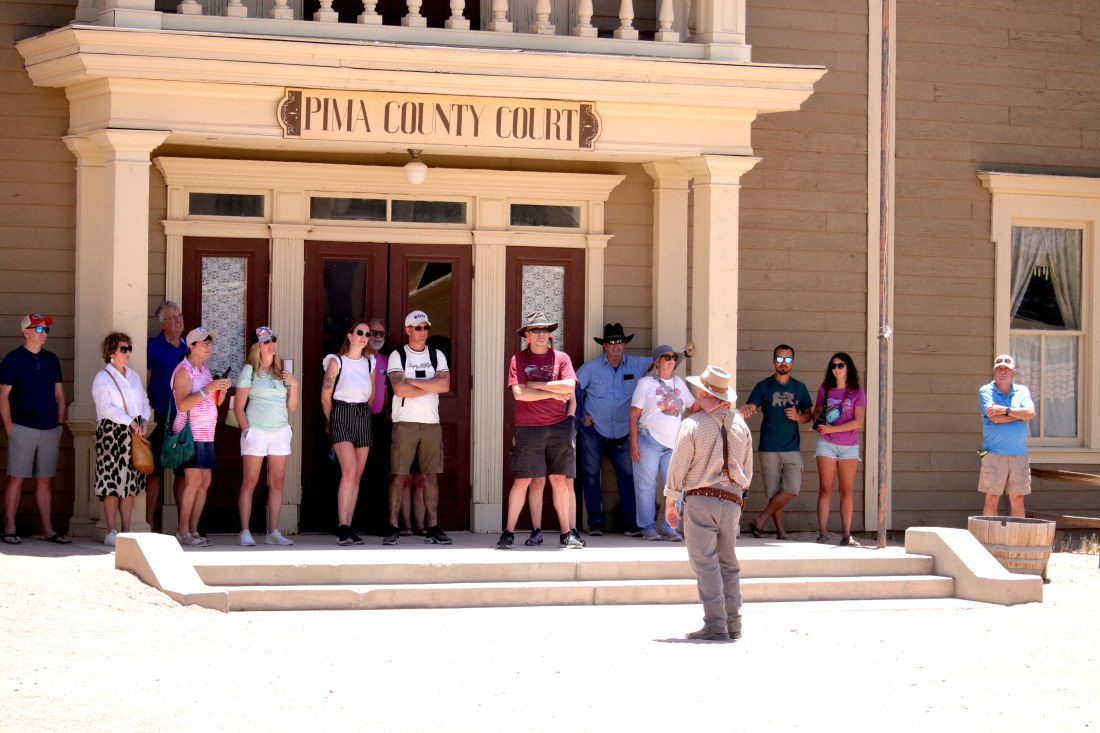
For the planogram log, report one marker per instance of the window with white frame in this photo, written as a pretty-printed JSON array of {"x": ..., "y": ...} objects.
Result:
[{"x": 1045, "y": 231}]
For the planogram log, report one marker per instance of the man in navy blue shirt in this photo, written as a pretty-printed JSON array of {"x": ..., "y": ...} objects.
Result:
[
  {"x": 1005, "y": 408},
  {"x": 163, "y": 352},
  {"x": 32, "y": 407},
  {"x": 786, "y": 405},
  {"x": 604, "y": 387}
]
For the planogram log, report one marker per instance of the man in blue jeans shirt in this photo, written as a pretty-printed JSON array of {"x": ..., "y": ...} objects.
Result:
[{"x": 604, "y": 388}]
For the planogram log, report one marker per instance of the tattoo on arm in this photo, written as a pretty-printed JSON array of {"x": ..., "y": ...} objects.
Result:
[
  {"x": 396, "y": 377},
  {"x": 327, "y": 385}
]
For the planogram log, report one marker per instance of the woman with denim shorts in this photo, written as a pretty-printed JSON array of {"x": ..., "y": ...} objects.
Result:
[
  {"x": 197, "y": 396},
  {"x": 266, "y": 395},
  {"x": 841, "y": 409}
]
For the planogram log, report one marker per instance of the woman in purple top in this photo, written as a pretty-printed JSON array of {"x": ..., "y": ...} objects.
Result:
[{"x": 841, "y": 408}]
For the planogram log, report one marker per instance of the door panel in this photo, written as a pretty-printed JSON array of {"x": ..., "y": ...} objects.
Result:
[
  {"x": 437, "y": 280},
  {"x": 551, "y": 280},
  {"x": 225, "y": 289},
  {"x": 343, "y": 281}
]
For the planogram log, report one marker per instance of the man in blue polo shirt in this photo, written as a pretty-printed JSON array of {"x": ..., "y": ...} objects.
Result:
[
  {"x": 605, "y": 386},
  {"x": 32, "y": 406},
  {"x": 163, "y": 352},
  {"x": 1005, "y": 409}
]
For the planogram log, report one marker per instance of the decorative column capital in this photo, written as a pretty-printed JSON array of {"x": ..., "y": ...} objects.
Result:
[
  {"x": 719, "y": 169},
  {"x": 125, "y": 146},
  {"x": 667, "y": 174}
]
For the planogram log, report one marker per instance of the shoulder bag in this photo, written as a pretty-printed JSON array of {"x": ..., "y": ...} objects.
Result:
[
  {"x": 178, "y": 448},
  {"x": 141, "y": 452}
]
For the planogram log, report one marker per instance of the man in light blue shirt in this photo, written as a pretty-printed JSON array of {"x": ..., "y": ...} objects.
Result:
[
  {"x": 604, "y": 387},
  {"x": 1005, "y": 408}
]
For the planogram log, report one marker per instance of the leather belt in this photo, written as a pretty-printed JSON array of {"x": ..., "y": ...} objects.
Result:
[{"x": 717, "y": 494}]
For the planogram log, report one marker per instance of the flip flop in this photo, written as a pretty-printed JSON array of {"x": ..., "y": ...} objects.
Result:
[
  {"x": 755, "y": 532},
  {"x": 57, "y": 539},
  {"x": 11, "y": 539}
]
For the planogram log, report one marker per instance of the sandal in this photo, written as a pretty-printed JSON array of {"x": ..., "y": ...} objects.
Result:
[
  {"x": 57, "y": 539},
  {"x": 823, "y": 539},
  {"x": 847, "y": 541},
  {"x": 755, "y": 531},
  {"x": 11, "y": 539}
]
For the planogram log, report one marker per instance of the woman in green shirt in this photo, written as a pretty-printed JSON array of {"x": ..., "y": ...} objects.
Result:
[{"x": 266, "y": 395}]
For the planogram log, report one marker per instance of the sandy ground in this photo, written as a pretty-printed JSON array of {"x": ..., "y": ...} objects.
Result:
[{"x": 88, "y": 648}]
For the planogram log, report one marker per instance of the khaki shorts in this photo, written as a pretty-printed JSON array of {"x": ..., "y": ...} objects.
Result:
[
  {"x": 782, "y": 472},
  {"x": 416, "y": 440},
  {"x": 1005, "y": 474}
]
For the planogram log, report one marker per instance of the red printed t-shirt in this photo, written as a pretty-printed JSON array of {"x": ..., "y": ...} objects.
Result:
[{"x": 549, "y": 367}]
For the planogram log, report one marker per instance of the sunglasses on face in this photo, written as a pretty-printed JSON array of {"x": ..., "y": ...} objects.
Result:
[
  {"x": 538, "y": 330},
  {"x": 272, "y": 340},
  {"x": 41, "y": 329},
  {"x": 784, "y": 359},
  {"x": 838, "y": 365},
  {"x": 422, "y": 327},
  {"x": 206, "y": 340},
  {"x": 613, "y": 342},
  {"x": 125, "y": 349},
  {"x": 668, "y": 357}
]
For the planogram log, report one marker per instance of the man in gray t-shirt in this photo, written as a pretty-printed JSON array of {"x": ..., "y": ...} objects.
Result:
[{"x": 786, "y": 404}]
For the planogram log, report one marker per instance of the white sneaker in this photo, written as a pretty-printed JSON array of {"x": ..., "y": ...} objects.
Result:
[
  {"x": 246, "y": 539},
  {"x": 109, "y": 539},
  {"x": 276, "y": 538}
]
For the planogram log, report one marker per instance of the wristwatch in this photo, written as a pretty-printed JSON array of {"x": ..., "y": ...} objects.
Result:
[{"x": 1007, "y": 410}]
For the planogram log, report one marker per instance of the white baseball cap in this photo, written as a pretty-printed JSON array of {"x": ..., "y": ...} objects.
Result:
[
  {"x": 416, "y": 318},
  {"x": 1004, "y": 360}
]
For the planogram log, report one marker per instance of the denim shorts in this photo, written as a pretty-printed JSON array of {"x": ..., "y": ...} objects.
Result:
[
  {"x": 204, "y": 456},
  {"x": 825, "y": 449}
]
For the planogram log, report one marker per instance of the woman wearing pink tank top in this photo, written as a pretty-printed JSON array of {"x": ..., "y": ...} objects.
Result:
[{"x": 197, "y": 394}]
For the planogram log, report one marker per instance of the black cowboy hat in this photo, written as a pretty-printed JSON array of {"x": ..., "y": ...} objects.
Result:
[{"x": 613, "y": 331}]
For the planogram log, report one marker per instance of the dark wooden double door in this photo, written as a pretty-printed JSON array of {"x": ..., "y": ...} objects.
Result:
[{"x": 343, "y": 281}]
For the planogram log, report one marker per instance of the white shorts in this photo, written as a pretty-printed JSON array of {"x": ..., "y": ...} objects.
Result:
[{"x": 255, "y": 442}]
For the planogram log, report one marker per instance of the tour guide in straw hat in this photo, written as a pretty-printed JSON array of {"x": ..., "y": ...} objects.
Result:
[{"x": 711, "y": 468}]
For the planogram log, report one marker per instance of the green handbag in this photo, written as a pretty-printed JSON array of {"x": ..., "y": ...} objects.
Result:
[{"x": 178, "y": 449}]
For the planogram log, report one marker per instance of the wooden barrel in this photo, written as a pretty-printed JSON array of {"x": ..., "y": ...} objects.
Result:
[{"x": 1021, "y": 545}]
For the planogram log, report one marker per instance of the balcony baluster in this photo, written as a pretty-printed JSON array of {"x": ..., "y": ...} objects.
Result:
[
  {"x": 189, "y": 7},
  {"x": 457, "y": 20},
  {"x": 281, "y": 10},
  {"x": 665, "y": 18},
  {"x": 626, "y": 21},
  {"x": 542, "y": 25},
  {"x": 325, "y": 14},
  {"x": 500, "y": 22},
  {"x": 584, "y": 25}
]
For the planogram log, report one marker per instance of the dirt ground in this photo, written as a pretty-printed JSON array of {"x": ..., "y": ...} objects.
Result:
[{"x": 88, "y": 648}]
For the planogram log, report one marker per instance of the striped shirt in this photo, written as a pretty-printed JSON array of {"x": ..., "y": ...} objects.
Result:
[
  {"x": 204, "y": 416},
  {"x": 697, "y": 456}
]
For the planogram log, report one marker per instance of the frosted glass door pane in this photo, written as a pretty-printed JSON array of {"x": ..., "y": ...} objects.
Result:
[
  {"x": 224, "y": 311},
  {"x": 543, "y": 289}
]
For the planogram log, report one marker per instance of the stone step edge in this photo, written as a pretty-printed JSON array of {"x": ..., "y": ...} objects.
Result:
[
  {"x": 493, "y": 595},
  {"x": 537, "y": 571}
]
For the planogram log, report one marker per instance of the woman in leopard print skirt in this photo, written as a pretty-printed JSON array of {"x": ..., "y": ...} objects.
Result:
[{"x": 122, "y": 407}]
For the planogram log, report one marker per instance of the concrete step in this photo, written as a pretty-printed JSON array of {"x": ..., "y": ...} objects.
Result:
[
  {"x": 576, "y": 593},
  {"x": 487, "y": 566}
]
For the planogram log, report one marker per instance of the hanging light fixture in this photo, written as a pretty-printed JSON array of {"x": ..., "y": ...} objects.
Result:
[{"x": 415, "y": 170}]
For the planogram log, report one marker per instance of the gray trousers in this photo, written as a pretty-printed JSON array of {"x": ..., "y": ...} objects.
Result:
[{"x": 710, "y": 531}]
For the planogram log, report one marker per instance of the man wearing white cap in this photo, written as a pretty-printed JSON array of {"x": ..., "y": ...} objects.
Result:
[
  {"x": 32, "y": 406},
  {"x": 711, "y": 469},
  {"x": 1005, "y": 409},
  {"x": 418, "y": 374}
]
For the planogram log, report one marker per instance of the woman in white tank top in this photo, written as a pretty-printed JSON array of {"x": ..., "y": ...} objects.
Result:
[{"x": 346, "y": 395}]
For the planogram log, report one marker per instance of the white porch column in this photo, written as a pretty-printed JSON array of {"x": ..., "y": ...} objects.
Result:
[
  {"x": 714, "y": 282},
  {"x": 112, "y": 286},
  {"x": 288, "y": 262},
  {"x": 670, "y": 255},
  {"x": 488, "y": 363}
]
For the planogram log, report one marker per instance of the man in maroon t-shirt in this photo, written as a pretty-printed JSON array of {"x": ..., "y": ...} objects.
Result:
[{"x": 542, "y": 381}]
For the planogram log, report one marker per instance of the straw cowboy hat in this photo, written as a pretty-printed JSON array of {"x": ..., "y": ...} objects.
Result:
[{"x": 716, "y": 381}]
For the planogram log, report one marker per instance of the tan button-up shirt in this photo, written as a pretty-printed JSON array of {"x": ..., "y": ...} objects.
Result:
[{"x": 697, "y": 457}]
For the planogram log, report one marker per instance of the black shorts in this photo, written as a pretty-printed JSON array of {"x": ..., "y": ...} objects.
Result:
[
  {"x": 350, "y": 422},
  {"x": 543, "y": 450},
  {"x": 156, "y": 440}
]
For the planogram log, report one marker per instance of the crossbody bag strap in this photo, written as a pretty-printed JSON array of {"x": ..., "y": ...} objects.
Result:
[{"x": 112, "y": 376}]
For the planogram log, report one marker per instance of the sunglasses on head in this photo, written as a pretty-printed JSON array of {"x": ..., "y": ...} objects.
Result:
[
  {"x": 784, "y": 359},
  {"x": 838, "y": 365},
  {"x": 125, "y": 349},
  {"x": 422, "y": 327},
  {"x": 41, "y": 329},
  {"x": 668, "y": 357}
]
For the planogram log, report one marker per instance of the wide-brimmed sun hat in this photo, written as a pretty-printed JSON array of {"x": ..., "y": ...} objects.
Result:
[
  {"x": 716, "y": 381},
  {"x": 537, "y": 319}
]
